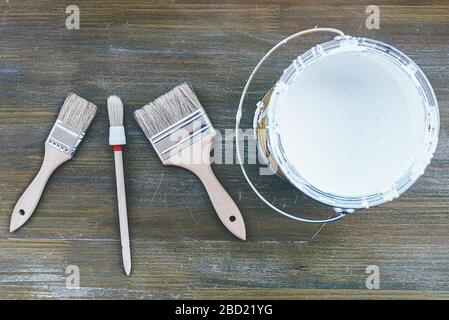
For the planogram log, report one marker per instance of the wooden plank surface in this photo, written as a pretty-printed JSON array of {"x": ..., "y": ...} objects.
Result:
[{"x": 139, "y": 50}]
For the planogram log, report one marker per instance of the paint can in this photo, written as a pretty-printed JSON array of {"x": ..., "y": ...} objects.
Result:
[{"x": 352, "y": 123}]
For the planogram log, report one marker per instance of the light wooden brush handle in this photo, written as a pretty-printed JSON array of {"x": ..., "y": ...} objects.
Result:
[
  {"x": 122, "y": 211},
  {"x": 226, "y": 209},
  {"x": 196, "y": 158},
  {"x": 30, "y": 198}
]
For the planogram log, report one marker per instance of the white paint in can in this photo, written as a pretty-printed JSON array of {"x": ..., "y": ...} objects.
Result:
[{"x": 353, "y": 124}]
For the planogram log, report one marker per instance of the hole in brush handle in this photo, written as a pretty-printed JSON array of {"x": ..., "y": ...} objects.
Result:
[
  {"x": 22, "y": 212},
  {"x": 232, "y": 218}
]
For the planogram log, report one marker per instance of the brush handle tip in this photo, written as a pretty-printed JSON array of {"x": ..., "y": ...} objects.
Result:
[
  {"x": 122, "y": 209},
  {"x": 226, "y": 209},
  {"x": 29, "y": 200}
]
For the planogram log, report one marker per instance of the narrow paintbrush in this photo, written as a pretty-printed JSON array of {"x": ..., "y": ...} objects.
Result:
[
  {"x": 117, "y": 139},
  {"x": 182, "y": 135},
  {"x": 74, "y": 118}
]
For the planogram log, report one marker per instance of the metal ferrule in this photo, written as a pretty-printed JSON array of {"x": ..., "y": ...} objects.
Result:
[
  {"x": 64, "y": 138},
  {"x": 181, "y": 134}
]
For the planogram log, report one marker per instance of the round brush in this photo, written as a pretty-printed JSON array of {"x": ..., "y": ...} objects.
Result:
[{"x": 117, "y": 139}]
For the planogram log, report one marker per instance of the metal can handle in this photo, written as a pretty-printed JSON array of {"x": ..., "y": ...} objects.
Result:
[{"x": 339, "y": 215}]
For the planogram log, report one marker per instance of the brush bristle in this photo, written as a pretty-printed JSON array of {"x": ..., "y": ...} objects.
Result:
[
  {"x": 115, "y": 111},
  {"x": 77, "y": 112},
  {"x": 166, "y": 110}
]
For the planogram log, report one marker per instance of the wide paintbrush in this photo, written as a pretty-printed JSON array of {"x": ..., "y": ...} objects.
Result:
[
  {"x": 182, "y": 135},
  {"x": 73, "y": 120}
]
